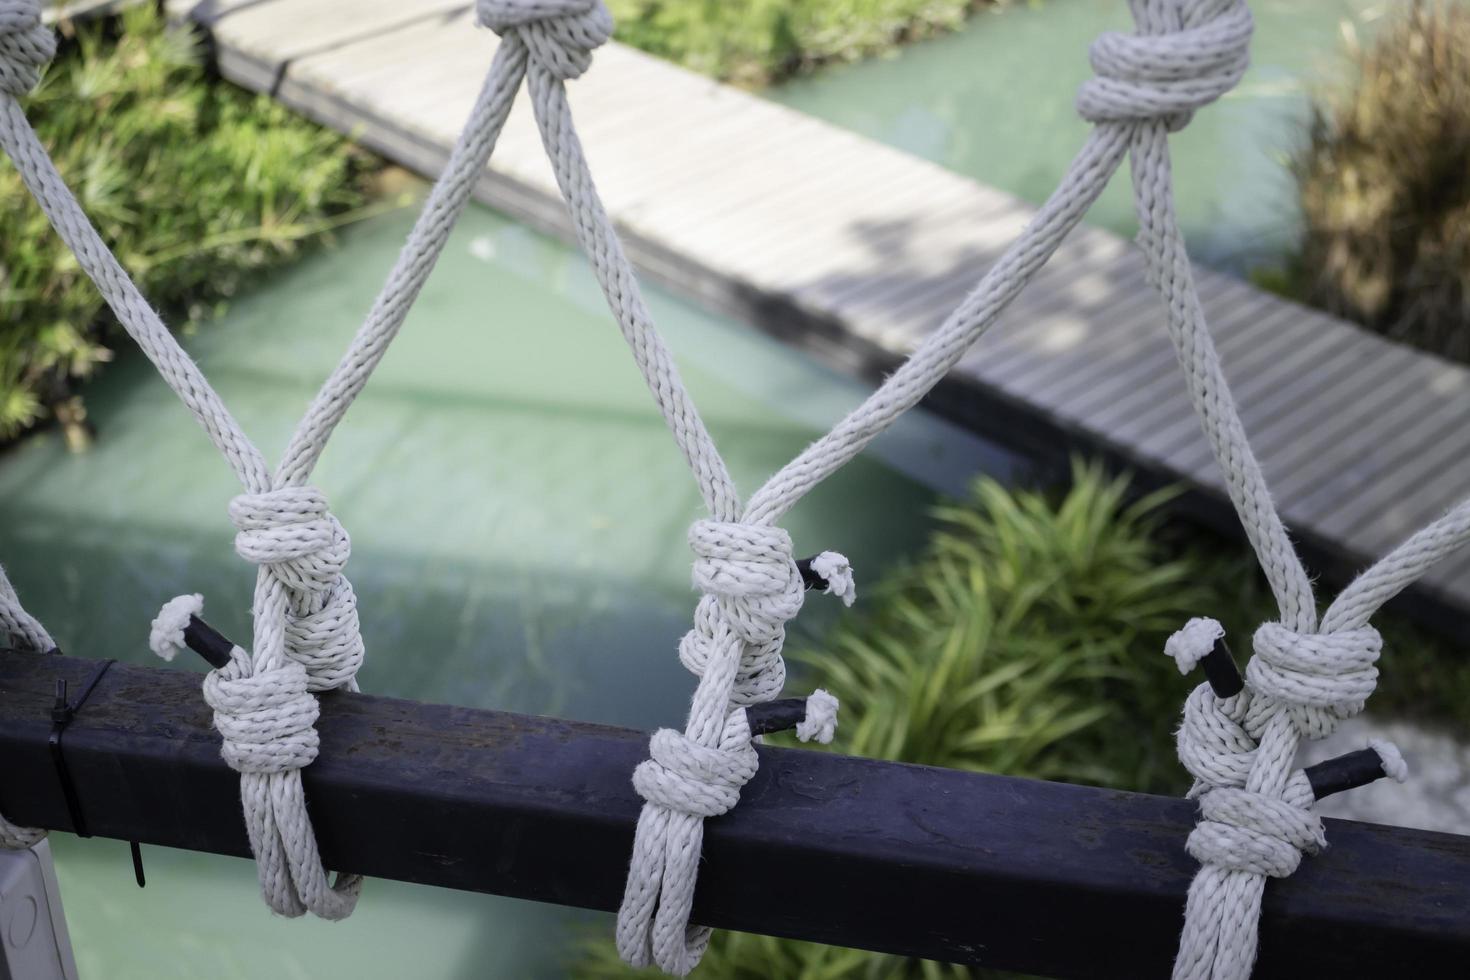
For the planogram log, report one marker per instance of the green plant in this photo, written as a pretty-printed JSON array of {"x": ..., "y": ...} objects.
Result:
[
  {"x": 1026, "y": 639},
  {"x": 1385, "y": 185},
  {"x": 197, "y": 186},
  {"x": 752, "y": 42}
]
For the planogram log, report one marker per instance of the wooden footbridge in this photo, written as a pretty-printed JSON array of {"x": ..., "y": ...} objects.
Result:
[{"x": 854, "y": 250}]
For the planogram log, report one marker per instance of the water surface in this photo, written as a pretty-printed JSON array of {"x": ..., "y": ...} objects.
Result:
[{"x": 995, "y": 102}]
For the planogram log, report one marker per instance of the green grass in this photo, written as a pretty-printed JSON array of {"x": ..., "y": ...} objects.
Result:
[
  {"x": 753, "y": 42},
  {"x": 197, "y": 186},
  {"x": 1028, "y": 639}
]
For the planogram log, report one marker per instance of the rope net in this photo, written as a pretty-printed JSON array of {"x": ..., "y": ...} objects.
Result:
[{"x": 1305, "y": 675}]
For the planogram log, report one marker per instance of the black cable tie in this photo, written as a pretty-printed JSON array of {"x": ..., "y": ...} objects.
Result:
[{"x": 63, "y": 711}]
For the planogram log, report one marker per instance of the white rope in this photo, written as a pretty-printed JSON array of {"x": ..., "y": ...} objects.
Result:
[
  {"x": 1302, "y": 680},
  {"x": 306, "y": 625},
  {"x": 20, "y": 626},
  {"x": 1256, "y": 808},
  {"x": 743, "y": 564}
]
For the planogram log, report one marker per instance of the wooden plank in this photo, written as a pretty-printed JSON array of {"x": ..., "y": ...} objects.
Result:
[
  {"x": 1150, "y": 384},
  {"x": 1388, "y": 396},
  {"x": 786, "y": 226},
  {"x": 1372, "y": 507},
  {"x": 1071, "y": 880},
  {"x": 983, "y": 237},
  {"x": 1085, "y": 341},
  {"x": 1277, "y": 392},
  {"x": 909, "y": 227},
  {"x": 1121, "y": 385},
  {"x": 1143, "y": 413},
  {"x": 206, "y": 12},
  {"x": 1265, "y": 375},
  {"x": 1423, "y": 488},
  {"x": 903, "y": 294},
  {"x": 282, "y": 30}
]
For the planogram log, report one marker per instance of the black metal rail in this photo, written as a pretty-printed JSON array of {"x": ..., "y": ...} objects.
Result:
[{"x": 1042, "y": 877}]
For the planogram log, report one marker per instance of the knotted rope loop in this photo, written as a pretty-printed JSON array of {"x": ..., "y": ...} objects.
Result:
[
  {"x": 1320, "y": 678},
  {"x": 1245, "y": 831},
  {"x": 750, "y": 571},
  {"x": 761, "y": 672},
  {"x": 697, "y": 779},
  {"x": 1217, "y": 744},
  {"x": 1185, "y": 55},
  {"x": 291, "y": 533},
  {"x": 266, "y": 718},
  {"x": 559, "y": 34},
  {"x": 26, "y": 46}
]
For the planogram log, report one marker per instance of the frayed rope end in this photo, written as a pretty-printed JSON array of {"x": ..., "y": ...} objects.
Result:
[
  {"x": 836, "y": 571},
  {"x": 1194, "y": 642},
  {"x": 820, "y": 722},
  {"x": 166, "y": 636},
  {"x": 1394, "y": 766}
]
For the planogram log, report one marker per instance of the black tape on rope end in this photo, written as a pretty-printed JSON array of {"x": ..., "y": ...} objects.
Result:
[
  {"x": 1345, "y": 772},
  {"x": 208, "y": 642},
  {"x": 770, "y": 717},
  {"x": 1221, "y": 671}
]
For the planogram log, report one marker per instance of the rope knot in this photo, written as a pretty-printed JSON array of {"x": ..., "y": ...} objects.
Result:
[
  {"x": 266, "y": 719},
  {"x": 749, "y": 570},
  {"x": 1245, "y": 831},
  {"x": 291, "y": 533},
  {"x": 26, "y": 45},
  {"x": 1321, "y": 678},
  {"x": 1184, "y": 55},
  {"x": 699, "y": 780},
  {"x": 559, "y": 34}
]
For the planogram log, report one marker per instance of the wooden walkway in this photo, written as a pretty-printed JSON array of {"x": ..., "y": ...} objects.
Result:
[{"x": 855, "y": 249}]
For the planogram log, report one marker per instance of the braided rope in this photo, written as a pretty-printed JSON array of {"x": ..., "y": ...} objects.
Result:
[
  {"x": 1303, "y": 678},
  {"x": 1255, "y": 805},
  {"x": 306, "y": 635}
]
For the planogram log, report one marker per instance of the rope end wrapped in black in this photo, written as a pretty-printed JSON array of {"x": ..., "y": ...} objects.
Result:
[
  {"x": 208, "y": 642},
  {"x": 1221, "y": 671},
  {"x": 1381, "y": 759}
]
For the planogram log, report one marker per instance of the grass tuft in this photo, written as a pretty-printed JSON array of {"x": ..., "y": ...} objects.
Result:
[{"x": 197, "y": 186}]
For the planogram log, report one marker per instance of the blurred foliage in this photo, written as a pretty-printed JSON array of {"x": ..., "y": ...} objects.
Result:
[
  {"x": 1385, "y": 184},
  {"x": 752, "y": 42},
  {"x": 1028, "y": 639},
  {"x": 196, "y": 186}
]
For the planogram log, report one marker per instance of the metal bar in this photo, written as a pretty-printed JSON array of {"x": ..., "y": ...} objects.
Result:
[{"x": 1010, "y": 873}]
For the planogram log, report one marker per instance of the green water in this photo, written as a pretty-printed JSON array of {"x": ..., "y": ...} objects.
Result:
[
  {"x": 518, "y": 514},
  {"x": 995, "y": 102}
]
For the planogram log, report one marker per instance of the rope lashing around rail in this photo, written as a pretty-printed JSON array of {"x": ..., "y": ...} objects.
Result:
[{"x": 1305, "y": 675}]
